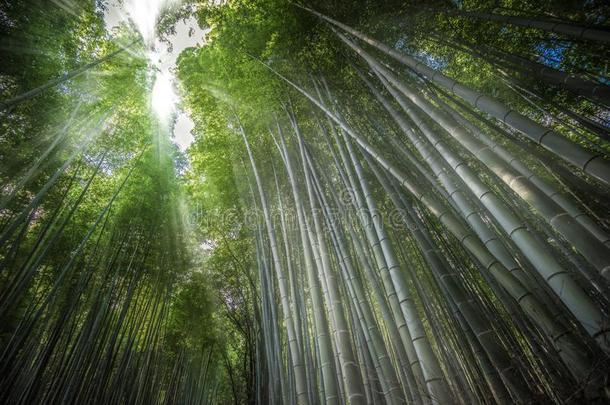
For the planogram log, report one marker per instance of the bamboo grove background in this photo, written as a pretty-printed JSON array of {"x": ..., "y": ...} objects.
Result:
[{"x": 386, "y": 202}]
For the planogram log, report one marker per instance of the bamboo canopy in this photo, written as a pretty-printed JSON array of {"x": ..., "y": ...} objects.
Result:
[{"x": 266, "y": 202}]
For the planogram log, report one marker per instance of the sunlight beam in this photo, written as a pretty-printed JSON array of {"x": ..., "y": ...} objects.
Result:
[
  {"x": 145, "y": 15},
  {"x": 163, "y": 97}
]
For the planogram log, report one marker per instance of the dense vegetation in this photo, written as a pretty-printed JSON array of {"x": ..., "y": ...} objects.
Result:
[{"x": 385, "y": 202}]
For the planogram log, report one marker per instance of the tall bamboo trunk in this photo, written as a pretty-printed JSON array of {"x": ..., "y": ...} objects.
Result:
[
  {"x": 370, "y": 328},
  {"x": 574, "y": 353},
  {"x": 575, "y": 84},
  {"x": 451, "y": 281},
  {"x": 351, "y": 372},
  {"x": 295, "y": 350},
  {"x": 594, "y": 164},
  {"x": 382, "y": 267},
  {"x": 566, "y": 28},
  {"x": 571, "y": 294},
  {"x": 331, "y": 391},
  {"x": 566, "y": 201},
  {"x": 433, "y": 375}
]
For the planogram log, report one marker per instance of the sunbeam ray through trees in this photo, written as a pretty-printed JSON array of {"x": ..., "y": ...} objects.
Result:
[{"x": 309, "y": 202}]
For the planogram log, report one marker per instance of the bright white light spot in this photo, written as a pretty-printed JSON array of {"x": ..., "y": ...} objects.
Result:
[
  {"x": 145, "y": 14},
  {"x": 163, "y": 96},
  {"x": 207, "y": 245}
]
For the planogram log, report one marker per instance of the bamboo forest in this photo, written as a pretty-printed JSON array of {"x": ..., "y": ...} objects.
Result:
[{"x": 304, "y": 202}]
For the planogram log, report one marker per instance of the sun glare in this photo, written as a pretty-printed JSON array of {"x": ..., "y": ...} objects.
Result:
[
  {"x": 145, "y": 13},
  {"x": 144, "y": 16},
  {"x": 163, "y": 96}
]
